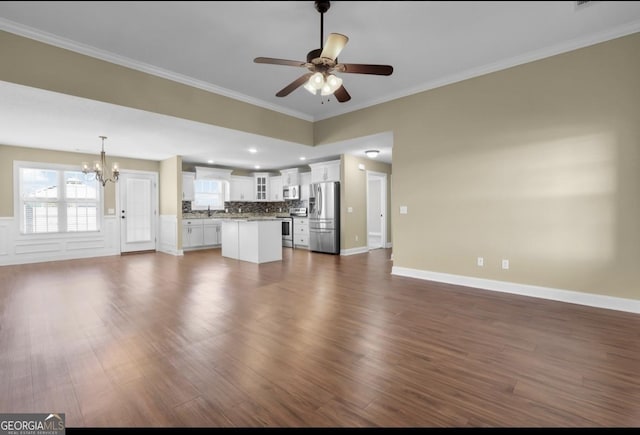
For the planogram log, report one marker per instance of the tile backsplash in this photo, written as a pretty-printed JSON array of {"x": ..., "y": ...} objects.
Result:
[{"x": 249, "y": 207}]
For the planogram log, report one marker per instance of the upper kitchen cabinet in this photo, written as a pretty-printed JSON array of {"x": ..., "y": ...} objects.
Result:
[
  {"x": 305, "y": 181},
  {"x": 275, "y": 188},
  {"x": 325, "y": 171},
  {"x": 290, "y": 177},
  {"x": 261, "y": 186},
  {"x": 187, "y": 186},
  {"x": 241, "y": 188}
]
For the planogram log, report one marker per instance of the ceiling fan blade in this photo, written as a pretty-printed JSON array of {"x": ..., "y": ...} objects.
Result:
[
  {"x": 333, "y": 47},
  {"x": 273, "y": 61},
  {"x": 342, "y": 95},
  {"x": 293, "y": 85},
  {"x": 361, "y": 68}
]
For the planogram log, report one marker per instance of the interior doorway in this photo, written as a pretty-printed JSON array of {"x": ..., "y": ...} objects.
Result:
[{"x": 376, "y": 210}]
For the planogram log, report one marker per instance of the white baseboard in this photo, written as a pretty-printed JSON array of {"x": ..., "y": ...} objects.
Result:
[
  {"x": 353, "y": 251},
  {"x": 573, "y": 297}
]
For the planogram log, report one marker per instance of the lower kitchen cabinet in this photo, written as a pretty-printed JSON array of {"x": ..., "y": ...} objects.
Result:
[
  {"x": 211, "y": 233},
  {"x": 200, "y": 233},
  {"x": 301, "y": 232}
]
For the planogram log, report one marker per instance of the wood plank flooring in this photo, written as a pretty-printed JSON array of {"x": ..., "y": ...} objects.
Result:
[{"x": 317, "y": 340}]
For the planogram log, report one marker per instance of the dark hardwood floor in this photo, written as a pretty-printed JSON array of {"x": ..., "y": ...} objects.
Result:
[{"x": 315, "y": 340}]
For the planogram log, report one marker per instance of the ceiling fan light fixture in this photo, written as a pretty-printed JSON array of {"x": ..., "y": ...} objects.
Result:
[
  {"x": 309, "y": 87},
  {"x": 334, "y": 82},
  {"x": 316, "y": 80},
  {"x": 372, "y": 154}
]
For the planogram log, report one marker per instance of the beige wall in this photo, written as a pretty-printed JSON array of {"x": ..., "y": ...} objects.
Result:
[
  {"x": 171, "y": 186},
  {"x": 9, "y": 154},
  {"x": 354, "y": 194},
  {"x": 538, "y": 164},
  {"x": 43, "y": 66}
]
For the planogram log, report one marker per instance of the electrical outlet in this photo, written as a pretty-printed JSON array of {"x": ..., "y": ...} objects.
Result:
[
  {"x": 505, "y": 264},
  {"x": 356, "y": 237},
  {"x": 480, "y": 261}
]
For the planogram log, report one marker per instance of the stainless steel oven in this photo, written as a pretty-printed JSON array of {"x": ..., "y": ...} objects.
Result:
[{"x": 287, "y": 232}]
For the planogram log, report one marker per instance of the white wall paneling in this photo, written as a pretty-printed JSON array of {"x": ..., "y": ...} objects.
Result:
[
  {"x": 16, "y": 248},
  {"x": 169, "y": 234}
]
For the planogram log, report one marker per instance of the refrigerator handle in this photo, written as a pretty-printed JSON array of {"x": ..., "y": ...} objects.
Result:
[{"x": 319, "y": 199}]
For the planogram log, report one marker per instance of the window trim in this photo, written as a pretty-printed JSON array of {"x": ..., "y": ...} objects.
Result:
[{"x": 17, "y": 202}]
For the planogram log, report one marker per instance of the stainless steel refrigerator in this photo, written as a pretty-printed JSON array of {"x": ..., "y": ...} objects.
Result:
[{"x": 324, "y": 217}]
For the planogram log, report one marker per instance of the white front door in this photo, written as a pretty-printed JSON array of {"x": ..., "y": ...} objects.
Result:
[
  {"x": 376, "y": 207},
  {"x": 138, "y": 199}
]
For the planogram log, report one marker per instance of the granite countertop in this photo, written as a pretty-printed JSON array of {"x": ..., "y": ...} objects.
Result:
[{"x": 226, "y": 216}]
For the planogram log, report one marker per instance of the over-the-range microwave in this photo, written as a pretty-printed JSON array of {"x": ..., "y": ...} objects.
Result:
[{"x": 291, "y": 192}]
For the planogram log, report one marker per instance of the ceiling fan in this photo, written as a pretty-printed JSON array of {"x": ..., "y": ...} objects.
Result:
[{"x": 323, "y": 62}]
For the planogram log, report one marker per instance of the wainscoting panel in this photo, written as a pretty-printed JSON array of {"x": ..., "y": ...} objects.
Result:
[
  {"x": 16, "y": 248},
  {"x": 5, "y": 229},
  {"x": 169, "y": 234}
]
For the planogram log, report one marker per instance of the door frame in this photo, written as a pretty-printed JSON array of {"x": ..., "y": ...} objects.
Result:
[
  {"x": 382, "y": 176},
  {"x": 155, "y": 204}
]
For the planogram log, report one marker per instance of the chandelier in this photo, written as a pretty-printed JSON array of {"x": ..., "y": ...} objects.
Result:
[{"x": 99, "y": 167}]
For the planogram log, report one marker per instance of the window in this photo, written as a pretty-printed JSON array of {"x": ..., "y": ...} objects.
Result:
[
  {"x": 54, "y": 200},
  {"x": 208, "y": 193}
]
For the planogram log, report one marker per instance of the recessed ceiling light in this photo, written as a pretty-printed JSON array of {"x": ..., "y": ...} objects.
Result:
[
  {"x": 257, "y": 166},
  {"x": 209, "y": 161},
  {"x": 303, "y": 158},
  {"x": 253, "y": 150}
]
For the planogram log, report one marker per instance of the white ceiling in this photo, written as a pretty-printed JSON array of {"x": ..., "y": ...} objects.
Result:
[{"x": 212, "y": 45}]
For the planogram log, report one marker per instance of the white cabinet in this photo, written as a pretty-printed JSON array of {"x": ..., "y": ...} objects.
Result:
[
  {"x": 275, "y": 188},
  {"x": 198, "y": 233},
  {"x": 258, "y": 241},
  {"x": 229, "y": 239},
  {"x": 192, "y": 233},
  {"x": 305, "y": 182},
  {"x": 261, "y": 186},
  {"x": 301, "y": 232},
  {"x": 241, "y": 188},
  {"x": 187, "y": 185},
  {"x": 290, "y": 177},
  {"x": 325, "y": 171},
  {"x": 211, "y": 232}
]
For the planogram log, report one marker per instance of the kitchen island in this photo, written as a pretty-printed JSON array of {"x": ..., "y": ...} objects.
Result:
[{"x": 257, "y": 240}]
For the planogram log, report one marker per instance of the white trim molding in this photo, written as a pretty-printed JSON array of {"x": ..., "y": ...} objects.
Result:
[
  {"x": 573, "y": 297},
  {"x": 354, "y": 251}
]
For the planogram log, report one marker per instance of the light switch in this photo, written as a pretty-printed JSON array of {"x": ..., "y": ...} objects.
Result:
[
  {"x": 349, "y": 209},
  {"x": 404, "y": 209},
  {"x": 111, "y": 211}
]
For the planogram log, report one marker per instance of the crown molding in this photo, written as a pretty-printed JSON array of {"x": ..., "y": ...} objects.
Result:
[
  {"x": 577, "y": 43},
  {"x": 521, "y": 59},
  {"x": 67, "y": 44}
]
